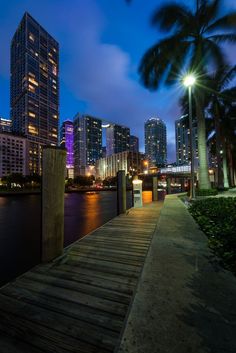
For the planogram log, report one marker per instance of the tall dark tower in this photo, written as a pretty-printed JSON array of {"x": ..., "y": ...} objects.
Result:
[
  {"x": 155, "y": 142},
  {"x": 35, "y": 88}
]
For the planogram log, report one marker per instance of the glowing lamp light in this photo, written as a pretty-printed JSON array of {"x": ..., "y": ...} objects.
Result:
[
  {"x": 189, "y": 81},
  {"x": 137, "y": 181}
]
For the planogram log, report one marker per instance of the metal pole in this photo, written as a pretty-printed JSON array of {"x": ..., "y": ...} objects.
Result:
[{"x": 192, "y": 187}]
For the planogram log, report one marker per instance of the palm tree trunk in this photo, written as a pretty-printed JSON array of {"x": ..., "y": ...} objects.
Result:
[
  {"x": 220, "y": 174},
  {"x": 231, "y": 166},
  {"x": 225, "y": 165},
  {"x": 204, "y": 180}
]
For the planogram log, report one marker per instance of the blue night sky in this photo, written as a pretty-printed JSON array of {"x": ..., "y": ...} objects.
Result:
[{"x": 101, "y": 44}]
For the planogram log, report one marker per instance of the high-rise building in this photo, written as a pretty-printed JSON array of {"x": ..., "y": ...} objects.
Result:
[
  {"x": 35, "y": 87},
  {"x": 87, "y": 143},
  {"x": 134, "y": 143},
  {"x": 117, "y": 139},
  {"x": 5, "y": 125},
  {"x": 130, "y": 162},
  {"x": 67, "y": 141},
  {"x": 182, "y": 140},
  {"x": 13, "y": 154},
  {"x": 155, "y": 142}
]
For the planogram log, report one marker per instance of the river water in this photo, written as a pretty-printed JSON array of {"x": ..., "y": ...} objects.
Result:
[{"x": 20, "y": 225}]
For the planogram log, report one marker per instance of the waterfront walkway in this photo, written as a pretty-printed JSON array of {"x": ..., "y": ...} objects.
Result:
[
  {"x": 185, "y": 302},
  {"x": 79, "y": 302}
]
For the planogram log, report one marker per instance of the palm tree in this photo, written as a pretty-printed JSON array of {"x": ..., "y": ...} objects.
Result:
[
  {"x": 221, "y": 99},
  {"x": 194, "y": 44}
]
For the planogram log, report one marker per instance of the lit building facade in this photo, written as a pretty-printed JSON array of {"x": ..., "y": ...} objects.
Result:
[
  {"x": 117, "y": 139},
  {"x": 134, "y": 144},
  {"x": 67, "y": 141},
  {"x": 182, "y": 140},
  {"x": 130, "y": 162},
  {"x": 35, "y": 88},
  {"x": 155, "y": 142},
  {"x": 13, "y": 155},
  {"x": 5, "y": 125},
  {"x": 87, "y": 143}
]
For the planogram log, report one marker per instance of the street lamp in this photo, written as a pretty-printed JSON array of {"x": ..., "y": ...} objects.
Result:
[{"x": 189, "y": 81}]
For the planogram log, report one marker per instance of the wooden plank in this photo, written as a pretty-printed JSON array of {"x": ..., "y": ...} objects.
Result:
[
  {"x": 62, "y": 324},
  {"x": 78, "y": 302},
  {"x": 108, "y": 294},
  {"x": 104, "y": 256},
  {"x": 11, "y": 345},
  {"x": 50, "y": 341},
  {"x": 72, "y": 296},
  {"x": 110, "y": 249},
  {"x": 95, "y": 273},
  {"x": 66, "y": 273},
  {"x": 74, "y": 310},
  {"x": 96, "y": 261}
]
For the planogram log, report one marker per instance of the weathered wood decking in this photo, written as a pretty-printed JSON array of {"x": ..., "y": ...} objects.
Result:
[{"x": 79, "y": 302}]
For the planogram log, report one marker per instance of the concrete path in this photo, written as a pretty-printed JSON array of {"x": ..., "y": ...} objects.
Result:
[{"x": 185, "y": 303}]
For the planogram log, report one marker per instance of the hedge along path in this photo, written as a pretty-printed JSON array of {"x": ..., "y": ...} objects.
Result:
[{"x": 79, "y": 302}]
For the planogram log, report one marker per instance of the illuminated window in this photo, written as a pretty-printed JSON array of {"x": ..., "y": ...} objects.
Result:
[
  {"x": 32, "y": 114},
  {"x": 32, "y": 80},
  {"x": 52, "y": 61},
  {"x": 32, "y": 130},
  {"x": 31, "y": 37},
  {"x": 31, "y": 89},
  {"x": 54, "y": 70}
]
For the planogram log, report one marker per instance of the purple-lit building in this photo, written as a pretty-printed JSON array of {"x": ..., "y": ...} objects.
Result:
[{"x": 67, "y": 141}]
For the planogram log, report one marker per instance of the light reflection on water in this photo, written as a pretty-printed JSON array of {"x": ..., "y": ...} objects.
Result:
[{"x": 20, "y": 225}]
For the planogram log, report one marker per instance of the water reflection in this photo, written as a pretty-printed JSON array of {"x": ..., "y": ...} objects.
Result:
[{"x": 20, "y": 225}]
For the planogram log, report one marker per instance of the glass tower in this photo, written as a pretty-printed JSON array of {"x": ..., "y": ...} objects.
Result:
[
  {"x": 35, "y": 88},
  {"x": 155, "y": 142},
  {"x": 87, "y": 143},
  {"x": 117, "y": 139}
]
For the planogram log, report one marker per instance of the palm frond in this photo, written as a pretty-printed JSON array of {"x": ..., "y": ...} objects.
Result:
[
  {"x": 223, "y": 38},
  {"x": 228, "y": 76},
  {"x": 178, "y": 62},
  {"x": 157, "y": 61},
  {"x": 171, "y": 16},
  {"x": 213, "y": 54},
  {"x": 207, "y": 12},
  {"x": 227, "y": 22},
  {"x": 228, "y": 95}
]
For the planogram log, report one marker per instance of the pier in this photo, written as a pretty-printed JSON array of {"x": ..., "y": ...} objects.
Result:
[{"x": 80, "y": 301}]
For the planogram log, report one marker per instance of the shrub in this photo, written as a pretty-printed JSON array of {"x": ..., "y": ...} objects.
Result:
[
  {"x": 206, "y": 192},
  {"x": 217, "y": 218}
]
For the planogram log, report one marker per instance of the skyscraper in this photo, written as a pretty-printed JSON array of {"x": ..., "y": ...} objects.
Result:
[
  {"x": 35, "y": 87},
  {"x": 5, "y": 125},
  {"x": 134, "y": 143},
  {"x": 67, "y": 141},
  {"x": 87, "y": 143},
  {"x": 117, "y": 139},
  {"x": 182, "y": 140},
  {"x": 155, "y": 142}
]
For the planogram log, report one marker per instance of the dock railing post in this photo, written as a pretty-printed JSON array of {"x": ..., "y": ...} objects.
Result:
[
  {"x": 168, "y": 185},
  {"x": 121, "y": 192},
  {"x": 154, "y": 189},
  {"x": 53, "y": 188}
]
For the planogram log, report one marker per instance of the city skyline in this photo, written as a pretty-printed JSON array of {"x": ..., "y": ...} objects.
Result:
[{"x": 98, "y": 62}]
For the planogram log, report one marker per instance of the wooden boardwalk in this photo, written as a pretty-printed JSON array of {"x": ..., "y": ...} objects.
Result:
[{"x": 79, "y": 302}]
